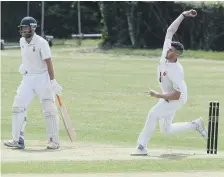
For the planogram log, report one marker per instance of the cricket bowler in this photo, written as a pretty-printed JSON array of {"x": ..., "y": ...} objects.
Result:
[
  {"x": 174, "y": 92},
  {"x": 38, "y": 78}
]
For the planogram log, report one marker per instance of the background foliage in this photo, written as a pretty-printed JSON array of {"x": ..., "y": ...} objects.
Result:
[{"x": 133, "y": 24}]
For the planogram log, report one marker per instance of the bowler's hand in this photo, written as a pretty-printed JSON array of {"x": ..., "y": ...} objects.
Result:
[
  {"x": 152, "y": 93},
  {"x": 190, "y": 13}
]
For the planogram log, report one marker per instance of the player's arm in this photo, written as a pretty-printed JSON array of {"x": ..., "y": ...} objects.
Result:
[
  {"x": 174, "y": 27},
  {"x": 170, "y": 32},
  {"x": 22, "y": 69},
  {"x": 178, "y": 86},
  {"x": 175, "y": 95},
  {"x": 56, "y": 87},
  {"x": 46, "y": 56},
  {"x": 50, "y": 68}
]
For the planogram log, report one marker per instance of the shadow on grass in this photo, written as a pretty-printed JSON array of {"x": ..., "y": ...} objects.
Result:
[
  {"x": 175, "y": 156},
  {"x": 41, "y": 149}
]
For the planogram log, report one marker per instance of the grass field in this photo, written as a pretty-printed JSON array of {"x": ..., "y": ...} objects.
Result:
[{"x": 104, "y": 94}]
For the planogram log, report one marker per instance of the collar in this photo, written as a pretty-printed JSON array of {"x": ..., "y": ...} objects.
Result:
[
  {"x": 167, "y": 61},
  {"x": 32, "y": 42}
]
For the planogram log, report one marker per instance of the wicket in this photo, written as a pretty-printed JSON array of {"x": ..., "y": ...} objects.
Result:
[{"x": 213, "y": 124}]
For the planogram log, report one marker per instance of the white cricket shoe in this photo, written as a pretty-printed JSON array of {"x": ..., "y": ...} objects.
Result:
[
  {"x": 201, "y": 128},
  {"x": 14, "y": 144},
  {"x": 53, "y": 145},
  {"x": 140, "y": 151}
]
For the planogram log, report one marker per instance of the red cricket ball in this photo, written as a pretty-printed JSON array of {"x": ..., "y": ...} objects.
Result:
[{"x": 194, "y": 12}]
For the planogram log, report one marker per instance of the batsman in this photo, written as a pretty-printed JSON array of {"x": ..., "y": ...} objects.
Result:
[
  {"x": 174, "y": 92},
  {"x": 38, "y": 78}
]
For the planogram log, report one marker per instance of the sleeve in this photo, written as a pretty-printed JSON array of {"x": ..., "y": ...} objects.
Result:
[
  {"x": 20, "y": 43},
  {"x": 45, "y": 50},
  {"x": 176, "y": 78},
  {"x": 167, "y": 44},
  {"x": 21, "y": 48},
  {"x": 169, "y": 34}
]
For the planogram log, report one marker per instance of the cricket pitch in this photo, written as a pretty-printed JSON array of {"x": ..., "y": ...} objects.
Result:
[{"x": 36, "y": 151}]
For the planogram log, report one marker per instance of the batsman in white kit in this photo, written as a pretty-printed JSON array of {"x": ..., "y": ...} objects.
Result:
[
  {"x": 174, "y": 92},
  {"x": 38, "y": 78}
]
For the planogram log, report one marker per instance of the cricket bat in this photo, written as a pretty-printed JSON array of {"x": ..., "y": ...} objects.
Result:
[{"x": 66, "y": 119}]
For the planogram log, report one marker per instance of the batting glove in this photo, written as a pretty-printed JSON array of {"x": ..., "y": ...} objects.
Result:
[
  {"x": 22, "y": 69},
  {"x": 57, "y": 89}
]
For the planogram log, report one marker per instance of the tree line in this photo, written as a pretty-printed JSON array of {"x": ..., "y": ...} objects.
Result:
[{"x": 124, "y": 23}]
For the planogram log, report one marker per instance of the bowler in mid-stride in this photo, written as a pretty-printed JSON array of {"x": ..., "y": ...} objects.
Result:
[
  {"x": 38, "y": 78},
  {"x": 174, "y": 92}
]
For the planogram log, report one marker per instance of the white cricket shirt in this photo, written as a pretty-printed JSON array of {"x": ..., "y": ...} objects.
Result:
[
  {"x": 34, "y": 54},
  {"x": 171, "y": 75}
]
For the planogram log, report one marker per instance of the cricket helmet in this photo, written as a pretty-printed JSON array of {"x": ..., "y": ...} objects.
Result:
[{"x": 30, "y": 23}]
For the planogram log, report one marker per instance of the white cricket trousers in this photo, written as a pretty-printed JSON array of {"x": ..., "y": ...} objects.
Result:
[
  {"x": 163, "y": 112},
  {"x": 31, "y": 84},
  {"x": 35, "y": 84}
]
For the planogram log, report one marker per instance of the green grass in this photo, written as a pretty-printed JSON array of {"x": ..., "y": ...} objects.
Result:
[
  {"x": 104, "y": 94},
  {"x": 113, "y": 166},
  {"x": 74, "y": 42},
  {"x": 190, "y": 54}
]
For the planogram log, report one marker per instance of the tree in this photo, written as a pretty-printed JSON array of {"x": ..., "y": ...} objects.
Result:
[{"x": 130, "y": 14}]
